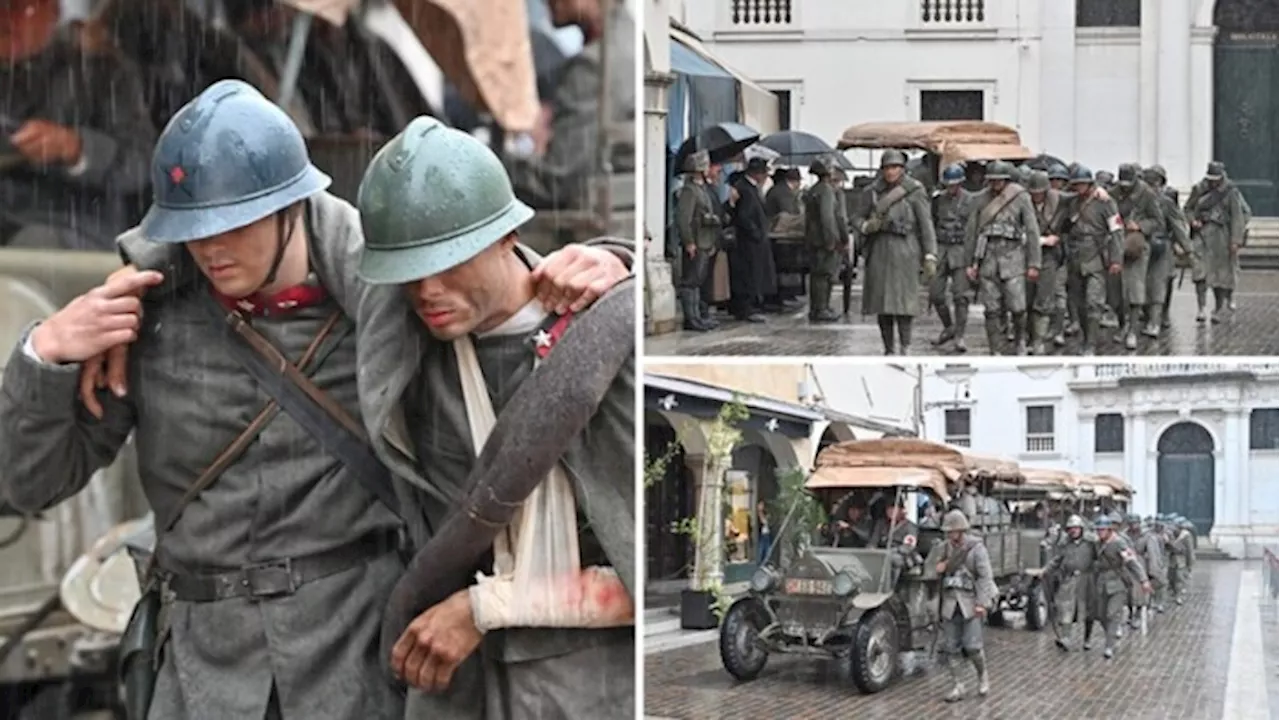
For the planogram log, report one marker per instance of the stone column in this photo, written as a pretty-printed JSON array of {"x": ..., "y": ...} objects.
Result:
[
  {"x": 659, "y": 293},
  {"x": 1085, "y": 441},
  {"x": 1149, "y": 112},
  {"x": 1135, "y": 464},
  {"x": 1235, "y": 483},
  {"x": 1201, "y": 141},
  {"x": 1173, "y": 131},
  {"x": 708, "y": 543},
  {"x": 1058, "y": 71}
]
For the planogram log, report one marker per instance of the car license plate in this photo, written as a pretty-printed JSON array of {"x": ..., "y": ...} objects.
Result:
[{"x": 804, "y": 586}]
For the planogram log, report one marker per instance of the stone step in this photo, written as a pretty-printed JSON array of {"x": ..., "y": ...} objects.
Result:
[{"x": 1263, "y": 250}]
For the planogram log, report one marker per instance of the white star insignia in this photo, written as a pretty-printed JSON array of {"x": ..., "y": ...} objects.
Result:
[
  {"x": 668, "y": 403},
  {"x": 772, "y": 425},
  {"x": 542, "y": 339}
]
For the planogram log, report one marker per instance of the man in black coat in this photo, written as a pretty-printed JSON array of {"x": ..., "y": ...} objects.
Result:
[{"x": 751, "y": 275}]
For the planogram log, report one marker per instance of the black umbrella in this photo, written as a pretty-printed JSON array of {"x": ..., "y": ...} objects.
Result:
[
  {"x": 799, "y": 148},
  {"x": 722, "y": 141},
  {"x": 1044, "y": 162}
]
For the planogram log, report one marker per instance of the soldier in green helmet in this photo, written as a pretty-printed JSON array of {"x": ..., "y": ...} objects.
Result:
[
  {"x": 697, "y": 224},
  {"x": 1174, "y": 241},
  {"x": 825, "y": 237},
  {"x": 1182, "y": 557},
  {"x": 1143, "y": 219},
  {"x": 441, "y": 222},
  {"x": 1219, "y": 217},
  {"x": 1044, "y": 302}
]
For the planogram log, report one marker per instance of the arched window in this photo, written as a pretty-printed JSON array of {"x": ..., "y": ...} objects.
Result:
[{"x": 1185, "y": 438}]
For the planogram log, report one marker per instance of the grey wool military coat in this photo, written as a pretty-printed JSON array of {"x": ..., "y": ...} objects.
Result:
[{"x": 285, "y": 497}]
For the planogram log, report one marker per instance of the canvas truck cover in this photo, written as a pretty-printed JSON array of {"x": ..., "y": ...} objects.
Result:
[
  {"x": 1047, "y": 480},
  {"x": 905, "y": 462},
  {"x": 953, "y": 141}
]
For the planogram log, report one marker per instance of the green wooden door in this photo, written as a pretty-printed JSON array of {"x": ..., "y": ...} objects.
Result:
[
  {"x": 1184, "y": 475},
  {"x": 1245, "y": 77}
]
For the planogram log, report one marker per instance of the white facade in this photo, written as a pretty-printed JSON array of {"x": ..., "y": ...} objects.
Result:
[
  {"x": 1097, "y": 95},
  {"x": 1150, "y": 399},
  {"x": 883, "y": 393}
]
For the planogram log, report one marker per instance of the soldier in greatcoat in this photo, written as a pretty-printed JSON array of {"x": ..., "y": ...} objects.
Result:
[
  {"x": 1073, "y": 557},
  {"x": 825, "y": 238},
  {"x": 454, "y": 354},
  {"x": 1150, "y": 547},
  {"x": 1173, "y": 244},
  {"x": 897, "y": 238},
  {"x": 951, "y": 207},
  {"x": 1139, "y": 207},
  {"x": 1216, "y": 211},
  {"x": 1093, "y": 246},
  {"x": 273, "y": 592},
  {"x": 968, "y": 594},
  {"x": 1044, "y": 303},
  {"x": 1002, "y": 252},
  {"x": 697, "y": 224},
  {"x": 1182, "y": 558},
  {"x": 1116, "y": 571}
]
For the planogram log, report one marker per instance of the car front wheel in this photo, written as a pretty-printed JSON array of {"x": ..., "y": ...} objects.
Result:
[
  {"x": 875, "y": 651},
  {"x": 741, "y": 651}
]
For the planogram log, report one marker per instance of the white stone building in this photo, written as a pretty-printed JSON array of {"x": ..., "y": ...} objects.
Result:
[
  {"x": 1175, "y": 82},
  {"x": 1196, "y": 439}
]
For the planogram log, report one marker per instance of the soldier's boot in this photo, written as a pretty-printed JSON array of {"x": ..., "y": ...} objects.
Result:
[
  {"x": 886, "y": 333},
  {"x": 1019, "y": 333},
  {"x": 948, "y": 324},
  {"x": 904, "y": 323},
  {"x": 962, "y": 322},
  {"x": 1064, "y": 632},
  {"x": 1131, "y": 322},
  {"x": 1200, "y": 301},
  {"x": 825, "y": 313},
  {"x": 1089, "y": 341},
  {"x": 704, "y": 310},
  {"x": 1219, "y": 306},
  {"x": 1109, "y": 319},
  {"x": 979, "y": 660},
  {"x": 1040, "y": 333},
  {"x": 1008, "y": 325},
  {"x": 994, "y": 334},
  {"x": 1231, "y": 300},
  {"x": 816, "y": 289},
  {"x": 957, "y": 690},
  {"x": 692, "y": 316},
  {"x": 1072, "y": 329},
  {"x": 1155, "y": 320},
  {"x": 1088, "y": 635},
  {"x": 1165, "y": 324}
]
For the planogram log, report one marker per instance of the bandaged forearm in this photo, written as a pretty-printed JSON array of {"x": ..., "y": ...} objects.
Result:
[{"x": 592, "y": 598}]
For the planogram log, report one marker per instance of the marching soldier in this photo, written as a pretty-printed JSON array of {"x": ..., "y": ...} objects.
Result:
[
  {"x": 697, "y": 224},
  {"x": 1116, "y": 570},
  {"x": 825, "y": 235},
  {"x": 1073, "y": 558},
  {"x": 1044, "y": 306},
  {"x": 968, "y": 593},
  {"x": 1002, "y": 251},
  {"x": 1182, "y": 558},
  {"x": 899, "y": 242},
  {"x": 1150, "y": 547},
  {"x": 1174, "y": 241},
  {"x": 1058, "y": 177},
  {"x": 1143, "y": 220},
  {"x": 951, "y": 206},
  {"x": 1216, "y": 211},
  {"x": 1093, "y": 230}
]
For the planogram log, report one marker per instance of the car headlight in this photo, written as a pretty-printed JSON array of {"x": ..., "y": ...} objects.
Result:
[
  {"x": 843, "y": 584},
  {"x": 762, "y": 580}
]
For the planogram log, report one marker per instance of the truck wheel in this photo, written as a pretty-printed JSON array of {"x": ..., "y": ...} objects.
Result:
[
  {"x": 875, "y": 651},
  {"x": 1037, "y": 608},
  {"x": 740, "y": 650},
  {"x": 55, "y": 701}
]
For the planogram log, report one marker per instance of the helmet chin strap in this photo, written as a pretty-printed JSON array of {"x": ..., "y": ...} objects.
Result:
[{"x": 286, "y": 221}]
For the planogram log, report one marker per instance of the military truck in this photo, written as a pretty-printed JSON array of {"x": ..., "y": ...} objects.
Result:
[{"x": 863, "y": 604}]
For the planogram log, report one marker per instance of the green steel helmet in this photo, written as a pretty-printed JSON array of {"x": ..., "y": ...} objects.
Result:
[
  {"x": 819, "y": 167},
  {"x": 1134, "y": 519},
  {"x": 999, "y": 170},
  {"x": 1081, "y": 174},
  {"x": 893, "y": 157},
  {"x": 1155, "y": 175},
  {"x": 432, "y": 199},
  {"x": 1058, "y": 172},
  {"x": 1128, "y": 175},
  {"x": 954, "y": 520},
  {"x": 1215, "y": 171},
  {"x": 1038, "y": 181},
  {"x": 1104, "y": 177},
  {"x": 1075, "y": 522}
]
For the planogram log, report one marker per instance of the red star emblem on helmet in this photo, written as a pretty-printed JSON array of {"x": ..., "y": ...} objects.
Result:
[{"x": 177, "y": 174}]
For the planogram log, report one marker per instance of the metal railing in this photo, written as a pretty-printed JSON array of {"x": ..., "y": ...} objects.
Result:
[
  {"x": 1115, "y": 372},
  {"x": 765, "y": 13},
  {"x": 950, "y": 12}
]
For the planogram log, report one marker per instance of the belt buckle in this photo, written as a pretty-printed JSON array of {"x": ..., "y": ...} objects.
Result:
[{"x": 269, "y": 579}]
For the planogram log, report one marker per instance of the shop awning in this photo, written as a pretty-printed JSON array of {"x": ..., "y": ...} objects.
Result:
[{"x": 757, "y": 106}]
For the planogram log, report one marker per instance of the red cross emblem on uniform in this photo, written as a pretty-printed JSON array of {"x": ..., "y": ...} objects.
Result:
[{"x": 177, "y": 174}]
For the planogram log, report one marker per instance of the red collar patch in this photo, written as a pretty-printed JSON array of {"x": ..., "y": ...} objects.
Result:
[
  {"x": 309, "y": 294},
  {"x": 550, "y": 333}
]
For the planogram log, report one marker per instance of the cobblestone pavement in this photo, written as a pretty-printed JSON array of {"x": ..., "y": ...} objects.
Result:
[
  {"x": 1252, "y": 330},
  {"x": 1179, "y": 670}
]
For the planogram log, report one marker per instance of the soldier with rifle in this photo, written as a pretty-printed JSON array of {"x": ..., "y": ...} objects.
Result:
[
  {"x": 1092, "y": 228},
  {"x": 951, "y": 208},
  {"x": 1174, "y": 242},
  {"x": 967, "y": 593},
  {"x": 1002, "y": 248},
  {"x": 1216, "y": 211}
]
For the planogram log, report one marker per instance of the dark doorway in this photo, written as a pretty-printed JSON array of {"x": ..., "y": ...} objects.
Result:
[
  {"x": 666, "y": 501},
  {"x": 950, "y": 105},
  {"x": 1245, "y": 106},
  {"x": 1184, "y": 474},
  {"x": 784, "y": 108}
]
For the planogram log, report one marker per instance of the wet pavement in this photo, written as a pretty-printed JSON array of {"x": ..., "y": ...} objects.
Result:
[
  {"x": 1180, "y": 670},
  {"x": 1253, "y": 329}
]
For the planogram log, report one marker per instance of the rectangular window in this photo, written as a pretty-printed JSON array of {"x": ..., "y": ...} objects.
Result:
[
  {"x": 950, "y": 105},
  {"x": 1264, "y": 429},
  {"x": 957, "y": 427},
  {"x": 1108, "y": 433},
  {"x": 784, "y": 108},
  {"x": 1040, "y": 429},
  {"x": 1108, "y": 13}
]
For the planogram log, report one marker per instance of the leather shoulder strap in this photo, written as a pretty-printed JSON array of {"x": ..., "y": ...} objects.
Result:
[
  {"x": 996, "y": 204},
  {"x": 886, "y": 202}
]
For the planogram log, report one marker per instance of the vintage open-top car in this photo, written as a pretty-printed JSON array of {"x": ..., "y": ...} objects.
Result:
[{"x": 867, "y": 604}]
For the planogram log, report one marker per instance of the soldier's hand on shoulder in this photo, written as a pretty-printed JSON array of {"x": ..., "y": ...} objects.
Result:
[
  {"x": 573, "y": 278},
  {"x": 43, "y": 142},
  {"x": 107, "y": 316}
]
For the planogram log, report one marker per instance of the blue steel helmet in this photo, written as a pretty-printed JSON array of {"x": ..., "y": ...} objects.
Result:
[
  {"x": 953, "y": 174},
  {"x": 1102, "y": 522},
  {"x": 1058, "y": 172},
  {"x": 1081, "y": 174},
  {"x": 227, "y": 159}
]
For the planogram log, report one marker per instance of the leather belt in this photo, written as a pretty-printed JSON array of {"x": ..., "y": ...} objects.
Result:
[{"x": 279, "y": 578}]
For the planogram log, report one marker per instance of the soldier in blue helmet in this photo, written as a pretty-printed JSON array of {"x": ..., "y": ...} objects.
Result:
[
  {"x": 1093, "y": 231},
  {"x": 458, "y": 371},
  {"x": 273, "y": 591},
  {"x": 1117, "y": 569},
  {"x": 951, "y": 208},
  {"x": 1059, "y": 176}
]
